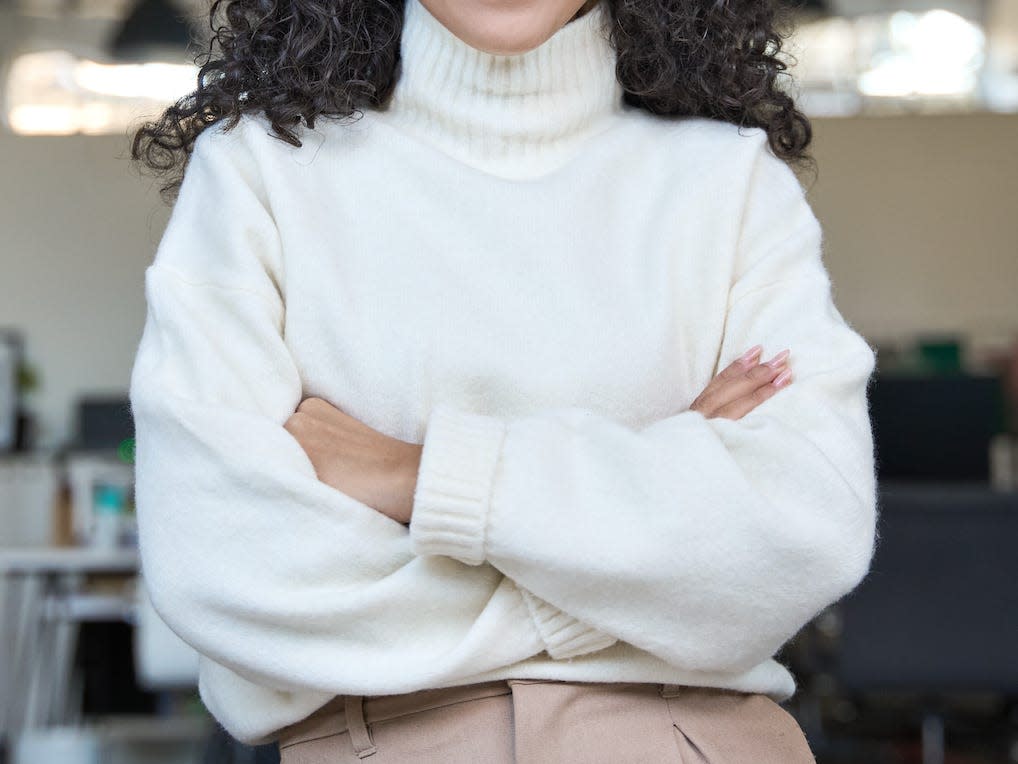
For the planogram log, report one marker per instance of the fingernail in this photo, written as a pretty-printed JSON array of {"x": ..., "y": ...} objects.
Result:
[
  {"x": 750, "y": 354},
  {"x": 778, "y": 359},
  {"x": 783, "y": 378}
]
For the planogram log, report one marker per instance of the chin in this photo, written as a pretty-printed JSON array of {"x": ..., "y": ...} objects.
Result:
[
  {"x": 502, "y": 31},
  {"x": 509, "y": 45}
]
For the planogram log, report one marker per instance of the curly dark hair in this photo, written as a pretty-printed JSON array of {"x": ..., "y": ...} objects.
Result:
[{"x": 305, "y": 58}]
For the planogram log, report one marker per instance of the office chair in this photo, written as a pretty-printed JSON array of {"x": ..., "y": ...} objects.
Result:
[{"x": 938, "y": 611}]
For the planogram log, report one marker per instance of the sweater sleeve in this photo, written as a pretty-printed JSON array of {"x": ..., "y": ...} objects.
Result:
[
  {"x": 247, "y": 556},
  {"x": 707, "y": 542}
]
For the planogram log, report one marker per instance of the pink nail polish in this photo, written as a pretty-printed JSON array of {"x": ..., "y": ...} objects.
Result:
[
  {"x": 750, "y": 354},
  {"x": 783, "y": 378},
  {"x": 776, "y": 360}
]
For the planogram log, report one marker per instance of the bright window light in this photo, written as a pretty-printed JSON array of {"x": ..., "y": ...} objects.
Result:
[
  {"x": 877, "y": 62},
  {"x": 164, "y": 82},
  {"x": 54, "y": 92},
  {"x": 937, "y": 53}
]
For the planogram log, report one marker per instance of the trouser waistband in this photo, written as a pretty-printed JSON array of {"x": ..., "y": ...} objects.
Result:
[
  {"x": 353, "y": 713},
  {"x": 333, "y": 717}
]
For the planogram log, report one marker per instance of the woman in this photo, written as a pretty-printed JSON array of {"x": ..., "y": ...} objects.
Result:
[{"x": 456, "y": 439}]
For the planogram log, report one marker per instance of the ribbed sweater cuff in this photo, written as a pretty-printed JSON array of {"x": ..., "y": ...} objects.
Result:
[
  {"x": 563, "y": 635},
  {"x": 460, "y": 453}
]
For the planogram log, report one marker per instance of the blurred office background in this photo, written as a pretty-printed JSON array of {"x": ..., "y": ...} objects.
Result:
[{"x": 915, "y": 108}]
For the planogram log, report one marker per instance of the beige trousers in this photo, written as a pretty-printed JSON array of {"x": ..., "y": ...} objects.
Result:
[{"x": 531, "y": 721}]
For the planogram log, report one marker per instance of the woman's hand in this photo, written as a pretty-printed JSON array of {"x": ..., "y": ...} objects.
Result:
[
  {"x": 743, "y": 385},
  {"x": 372, "y": 467}
]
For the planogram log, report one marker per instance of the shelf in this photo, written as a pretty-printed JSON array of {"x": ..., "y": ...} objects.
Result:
[
  {"x": 54, "y": 559},
  {"x": 156, "y": 729}
]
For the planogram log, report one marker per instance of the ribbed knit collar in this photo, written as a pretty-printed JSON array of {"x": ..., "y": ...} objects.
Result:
[{"x": 514, "y": 115}]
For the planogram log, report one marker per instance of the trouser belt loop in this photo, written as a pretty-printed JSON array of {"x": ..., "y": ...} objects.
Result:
[
  {"x": 360, "y": 736},
  {"x": 671, "y": 690}
]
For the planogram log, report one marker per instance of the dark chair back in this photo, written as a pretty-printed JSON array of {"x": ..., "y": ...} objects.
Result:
[{"x": 939, "y": 609}]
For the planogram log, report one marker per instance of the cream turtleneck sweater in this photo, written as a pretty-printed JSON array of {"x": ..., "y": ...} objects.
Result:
[
  {"x": 535, "y": 282},
  {"x": 515, "y": 116}
]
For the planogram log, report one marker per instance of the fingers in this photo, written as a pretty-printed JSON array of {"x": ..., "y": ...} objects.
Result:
[
  {"x": 739, "y": 378},
  {"x": 739, "y": 366},
  {"x": 739, "y": 408},
  {"x": 750, "y": 379},
  {"x": 743, "y": 385}
]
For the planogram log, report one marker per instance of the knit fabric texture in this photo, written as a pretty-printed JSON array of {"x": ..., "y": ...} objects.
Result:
[{"x": 534, "y": 280}]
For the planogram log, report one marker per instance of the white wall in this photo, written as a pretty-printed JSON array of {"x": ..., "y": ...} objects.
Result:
[
  {"x": 920, "y": 216},
  {"x": 921, "y": 219},
  {"x": 78, "y": 225}
]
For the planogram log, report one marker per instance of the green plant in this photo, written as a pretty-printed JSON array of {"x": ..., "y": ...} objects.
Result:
[{"x": 28, "y": 377}]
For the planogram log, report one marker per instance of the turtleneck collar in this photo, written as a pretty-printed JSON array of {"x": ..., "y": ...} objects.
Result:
[{"x": 516, "y": 115}]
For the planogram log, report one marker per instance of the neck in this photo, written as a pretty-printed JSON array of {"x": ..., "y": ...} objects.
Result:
[{"x": 515, "y": 115}]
